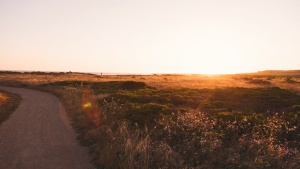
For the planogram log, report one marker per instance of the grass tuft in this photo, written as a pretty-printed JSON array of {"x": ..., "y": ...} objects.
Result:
[{"x": 8, "y": 103}]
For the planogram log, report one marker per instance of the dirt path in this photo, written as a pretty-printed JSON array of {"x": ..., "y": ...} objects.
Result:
[{"x": 38, "y": 135}]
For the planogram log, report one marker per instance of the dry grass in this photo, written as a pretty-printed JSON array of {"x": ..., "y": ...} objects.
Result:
[
  {"x": 189, "y": 140},
  {"x": 182, "y": 140},
  {"x": 8, "y": 103},
  {"x": 3, "y": 99},
  {"x": 158, "y": 81},
  {"x": 282, "y": 83}
]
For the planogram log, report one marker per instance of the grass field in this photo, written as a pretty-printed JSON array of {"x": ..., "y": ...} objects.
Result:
[{"x": 180, "y": 121}]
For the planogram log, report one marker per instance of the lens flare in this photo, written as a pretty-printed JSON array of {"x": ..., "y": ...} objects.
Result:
[
  {"x": 90, "y": 107},
  {"x": 87, "y": 105}
]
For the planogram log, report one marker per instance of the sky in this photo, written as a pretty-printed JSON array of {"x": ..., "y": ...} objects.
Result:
[{"x": 154, "y": 36}]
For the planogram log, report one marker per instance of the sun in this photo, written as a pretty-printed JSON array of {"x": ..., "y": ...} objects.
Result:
[
  {"x": 217, "y": 54},
  {"x": 214, "y": 58},
  {"x": 213, "y": 51}
]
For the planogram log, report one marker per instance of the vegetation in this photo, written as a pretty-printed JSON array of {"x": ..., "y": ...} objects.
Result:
[
  {"x": 8, "y": 103},
  {"x": 240, "y": 127},
  {"x": 258, "y": 81},
  {"x": 240, "y": 121},
  {"x": 194, "y": 139}
]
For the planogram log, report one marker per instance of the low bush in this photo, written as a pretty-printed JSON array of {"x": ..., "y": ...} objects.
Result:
[{"x": 132, "y": 85}]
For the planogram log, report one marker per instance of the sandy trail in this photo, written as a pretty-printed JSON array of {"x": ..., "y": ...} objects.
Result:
[{"x": 38, "y": 135}]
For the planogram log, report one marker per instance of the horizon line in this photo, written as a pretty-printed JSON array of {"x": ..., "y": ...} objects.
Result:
[{"x": 120, "y": 73}]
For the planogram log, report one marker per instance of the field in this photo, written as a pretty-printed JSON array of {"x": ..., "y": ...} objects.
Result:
[{"x": 180, "y": 121}]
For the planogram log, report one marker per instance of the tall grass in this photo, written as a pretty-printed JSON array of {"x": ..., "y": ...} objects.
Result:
[
  {"x": 195, "y": 140},
  {"x": 183, "y": 139},
  {"x": 118, "y": 144},
  {"x": 246, "y": 143}
]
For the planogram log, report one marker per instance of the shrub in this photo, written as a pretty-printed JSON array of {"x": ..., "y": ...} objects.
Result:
[
  {"x": 132, "y": 85},
  {"x": 259, "y": 82},
  {"x": 145, "y": 114},
  {"x": 290, "y": 80}
]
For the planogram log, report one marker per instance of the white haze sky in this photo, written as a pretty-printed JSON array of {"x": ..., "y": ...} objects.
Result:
[{"x": 154, "y": 36}]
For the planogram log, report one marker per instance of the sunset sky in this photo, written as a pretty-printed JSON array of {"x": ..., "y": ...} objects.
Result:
[{"x": 154, "y": 36}]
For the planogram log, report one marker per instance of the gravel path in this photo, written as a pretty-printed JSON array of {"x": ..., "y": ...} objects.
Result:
[{"x": 38, "y": 135}]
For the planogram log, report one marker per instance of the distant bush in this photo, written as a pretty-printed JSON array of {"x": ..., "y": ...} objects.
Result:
[
  {"x": 259, "y": 82},
  {"x": 101, "y": 87},
  {"x": 145, "y": 114},
  {"x": 259, "y": 100},
  {"x": 290, "y": 80},
  {"x": 132, "y": 85},
  {"x": 68, "y": 83}
]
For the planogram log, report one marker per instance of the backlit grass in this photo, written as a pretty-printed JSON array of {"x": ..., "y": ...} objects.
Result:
[
  {"x": 8, "y": 103},
  {"x": 177, "y": 121},
  {"x": 3, "y": 98},
  {"x": 190, "y": 128}
]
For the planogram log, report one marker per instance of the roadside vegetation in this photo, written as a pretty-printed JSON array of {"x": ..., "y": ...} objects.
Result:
[
  {"x": 144, "y": 127},
  {"x": 8, "y": 103},
  {"x": 150, "y": 122}
]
